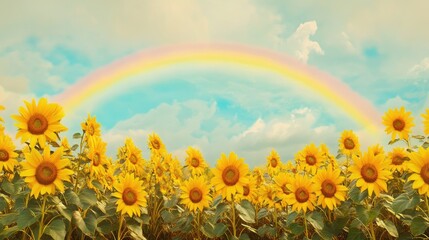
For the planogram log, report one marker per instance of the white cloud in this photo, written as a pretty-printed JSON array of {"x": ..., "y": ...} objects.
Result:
[
  {"x": 300, "y": 42},
  {"x": 420, "y": 68}
]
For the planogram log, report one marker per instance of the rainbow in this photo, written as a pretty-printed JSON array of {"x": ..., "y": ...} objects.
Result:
[{"x": 333, "y": 90}]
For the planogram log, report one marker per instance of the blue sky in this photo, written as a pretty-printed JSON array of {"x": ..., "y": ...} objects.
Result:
[{"x": 378, "y": 48}]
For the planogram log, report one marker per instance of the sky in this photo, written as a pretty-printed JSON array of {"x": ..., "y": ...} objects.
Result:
[{"x": 378, "y": 48}]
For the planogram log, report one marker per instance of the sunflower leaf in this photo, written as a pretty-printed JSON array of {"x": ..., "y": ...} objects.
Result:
[
  {"x": 87, "y": 198},
  {"x": 56, "y": 229},
  {"x": 388, "y": 225},
  {"x": 316, "y": 220},
  {"x": 403, "y": 202},
  {"x": 77, "y": 136},
  {"x": 246, "y": 211},
  {"x": 418, "y": 226},
  {"x": 26, "y": 218}
]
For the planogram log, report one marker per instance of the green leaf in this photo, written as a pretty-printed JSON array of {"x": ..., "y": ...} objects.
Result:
[
  {"x": 403, "y": 202},
  {"x": 87, "y": 198},
  {"x": 90, "y": 221},
  {"x": 389, "y": 226},
  {"x": 316, "y": 220},
  {"x": 136, "y": 230},
  {"x": 26, "y": 218},
  {"x": 72, "y": 198},
  {"x": 296, "y": 229},
  {"x": 262, "y": 213},
  {"x": 356, "y": 195},
  {"x": 212, "y": 231},
  {"x": 105, "y": 226},
  {"x": 266, "y": 230},
  {"x": 7, "y": 219},
  {"x": 244, "y": 237},
  {"x": 420, "y": 137},
  {"x": 167, "y": 216},
  {"x": 3, "y": 203},
  {"x": 425, "y": 145},
  {"x": 418, "y": 226},
  {"x": 56, "y": 229},
  {"x": 219, "y": 229},
  {"x": 74, "y": 147},
  {"x": 8, "y": 187},
  {"x": 393, "y": 141},
  {"x": 169, "y": 203},
  {"x": 5, "y": 233},
  {"x": 80, "y": 223},
  {"x": 246, "y": 211},
  {"x": 220, "y": 209},
  {"x": 355, "y": 234},
  {"x": 77, "y": 136}
]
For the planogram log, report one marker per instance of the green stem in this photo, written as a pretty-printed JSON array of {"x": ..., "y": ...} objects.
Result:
[
  {"x": 39, "y": 236},
  {"x": 234, "y": 230},
  {"x": 79, "y": 161},
  {"x": 427, "y": 204},
  {"x": 198, "y": 224},
  {"x": 371, "y": 228},
  {"x": 275, "y": 220},
  {"x": 305, "y": 226},
  {"x": 121, "y": 219}
]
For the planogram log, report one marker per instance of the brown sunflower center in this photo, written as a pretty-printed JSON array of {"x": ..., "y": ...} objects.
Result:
[
  {"x": 4, "y": 155},
  {"x": 349, "y": 144},
  {"x": 424, "y": 173},
  {"x": 397, "y": 160},
  {"x": 273, "y": 162},
  {"x": 195, "y": 162},
  {"x": 310, "y": 160},
  {"x": 328, "y": 188},
  {"x": 285, "y": 189},
  {"x": 46, "y": 173},
  {"x": 155, "y": 144},
  {"x": 246, "y": 190},
  {"x": 230, "y": 175},
  {"x": 398, "y": 124},
  {"x": 96, "y": 160},
  {"x": 369, "y": 173},
  {"x": 302, "y": 195},
  {"x": 37, "y": 124},
  {"x": 133, "y": 159},
  {"x": 129, "y": 196},
  {"x": 195, "y": 195}
]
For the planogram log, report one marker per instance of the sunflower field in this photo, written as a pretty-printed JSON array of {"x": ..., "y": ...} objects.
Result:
[{"x": 50, "y": 189}]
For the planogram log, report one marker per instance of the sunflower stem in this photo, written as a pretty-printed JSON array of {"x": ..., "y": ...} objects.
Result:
[
  {"x": 78, "y": 161},
  {"x": 275, "y": 220},
  {"x": 427, "y": 204},
  {"x": 305, "y": 226},
  {"x": 198, "y": 224},
  {"x": 121, "y": 219},
  {"x": 234, "y": 230},
  {"x": 42, "y": 210}
]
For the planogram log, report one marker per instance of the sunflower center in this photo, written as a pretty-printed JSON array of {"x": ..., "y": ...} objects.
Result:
[
  {"x": 246, "y": 190},
  {"x": 398, "y": 124},
  {"x": 4, "y": 155},
  {"x": 349, "y": 144},
  {"x": 230, "y": 175},
  {"x": 273, "y": 162},
  {"x": 285, "y": 189},
  {"x": 310, "y": 160},
  {"x": 302, "y": 195},
  {"x": 397, "y": 160},
  {"x": 369, "y": 173},
  {"x": 37, "y": 124},
  {"x": 155, "y": 144},
  {"x": 328, "y": 188},
  {"x": 195, "y": 162},
  {"x": 96, "y": 161},
  {"x": 196, "y": 195},
  {"x": 129, "y": 196},
  {"x": 159, "y": 171},
  {"x": 133, "y": 159},
  {"x": 424, "y": 173},
  {"x": 46, "y": 173}
]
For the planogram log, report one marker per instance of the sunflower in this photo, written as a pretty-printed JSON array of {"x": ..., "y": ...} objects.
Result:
[
  {"x": 91, "y": 128},
  {"x": 195, "y": 161},
  {"x": 195, "y": 193},
  {"x": 155, "y": 144},
  {"x": 376, "y": 149},
  {"x": 328, "y": 156},
  {"x": 159, "y": 169},
  {"x": 130, "y": 194},
  {"x": 397, "y": 159},
  {"x": 302, "y": 195},
  {"x": 230, "y": 175},
  {"x": 273, "y": 163},
  {"x": 45, "y": 172},
  {"x": 176, "y": 170},
  {"x": 310, "y": 159},
  {"x": 398, "y": 122},
  {"x": 258, "y": 174},
  {"x": 109, "y": 178},
  {"x": 330, "y": 190},
  {"x": 419, "y": 167},
  {"x": 371, "y": 172},
  {"x": 97, "y": 155},
  {"x": 349, "y": 143},
  {"x": 7, "y": 155},
  {"x": 426, "y": 121},
  {"x": 39, "y": 123},
  {"x": 65, "y": 144},
  {"x": 133, "y": 157},
  {"x": 281, "y": 181},
  {"x": 270, "y": 196},
  {"x": 250, "y": 190}
]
